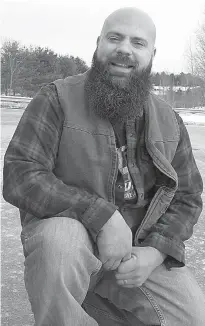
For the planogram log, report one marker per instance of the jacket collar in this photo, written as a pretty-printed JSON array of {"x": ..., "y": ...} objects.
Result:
[{"x": 162, "y": 134}]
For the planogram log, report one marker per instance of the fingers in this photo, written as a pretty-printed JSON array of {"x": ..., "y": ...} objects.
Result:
[
  {"x": 129, "y": 283},
  {"x": 111, "y": 264},
  {"x": 108, "y": 264},
  {"x": 116, "y": 265},
  {"x": 126, "y": 276},
  {"x": 127, "y": 257},
  {"x": 135, "y": 284},
  {"x": 128, "y": 266}
]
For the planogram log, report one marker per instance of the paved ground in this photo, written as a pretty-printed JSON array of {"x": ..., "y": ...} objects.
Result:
[{"x": 15, "y": 306}]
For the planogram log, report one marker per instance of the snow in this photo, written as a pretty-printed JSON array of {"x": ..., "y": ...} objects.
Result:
[
  {"x": 175, "y": 88},
  {"x": 193, "y": 119},
  {"x": 190, "y": 118}
]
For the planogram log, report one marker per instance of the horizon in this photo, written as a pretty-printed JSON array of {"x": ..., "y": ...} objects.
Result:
[{"x": 72, "y": 28}]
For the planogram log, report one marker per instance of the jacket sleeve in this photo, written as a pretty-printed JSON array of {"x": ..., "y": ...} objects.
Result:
[
  {"x": 176, "y": 224},
  {"x": 28, "y": 179}
]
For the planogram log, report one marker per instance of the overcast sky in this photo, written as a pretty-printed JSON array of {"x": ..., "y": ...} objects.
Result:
[{"x": 72, "y": 26}]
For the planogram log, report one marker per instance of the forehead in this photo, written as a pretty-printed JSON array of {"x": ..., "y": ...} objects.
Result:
[
  {"x": 130, "y": 26},
  {"x": 128, "y": 30}
]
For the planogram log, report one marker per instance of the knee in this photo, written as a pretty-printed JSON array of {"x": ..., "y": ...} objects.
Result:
[
  {"x": 63, "y": 234},
  {"x": 60, "y": 246},
  {"x": 57, "y": 236}
]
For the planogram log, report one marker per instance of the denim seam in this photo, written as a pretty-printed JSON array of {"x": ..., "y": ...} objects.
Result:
[
  {"x": 154, "y": 305},
  {"x": 104, "y": 312}
]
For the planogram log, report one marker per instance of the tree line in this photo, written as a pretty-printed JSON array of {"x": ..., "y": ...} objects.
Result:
[
  {"x": 183, "y": 79},
  {"x": 24, "y": 70}
]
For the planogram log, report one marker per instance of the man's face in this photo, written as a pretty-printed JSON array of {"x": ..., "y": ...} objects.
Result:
[
  {"x": 119, "y": 83},
  {"x": 125, "y": 49}
]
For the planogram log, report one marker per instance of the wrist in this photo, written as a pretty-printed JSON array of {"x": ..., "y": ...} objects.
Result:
[{"x": 159, "y": 256}]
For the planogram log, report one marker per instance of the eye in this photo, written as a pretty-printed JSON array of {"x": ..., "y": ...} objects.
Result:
[
  {"x": 114, "y": 38},
  {"x": 138, "y": 43}
]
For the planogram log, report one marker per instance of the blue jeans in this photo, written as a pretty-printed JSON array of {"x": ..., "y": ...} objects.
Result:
[{"x": 67, "y": 286}]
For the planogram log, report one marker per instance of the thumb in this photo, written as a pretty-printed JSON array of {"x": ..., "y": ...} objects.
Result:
[
  {"x": 127, "y": 266},
  {"x": 127, "y": 257}
]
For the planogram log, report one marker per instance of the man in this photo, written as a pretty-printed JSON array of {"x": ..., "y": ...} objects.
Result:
[{"x": 108, "y": 191}]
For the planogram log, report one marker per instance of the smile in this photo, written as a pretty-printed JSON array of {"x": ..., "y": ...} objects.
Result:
[{"x": 121, "y": 65}]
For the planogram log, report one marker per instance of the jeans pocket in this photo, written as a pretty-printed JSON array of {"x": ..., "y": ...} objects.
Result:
[
  {"x": 103, "y": 311},
  {"x": 138, "y": 301}
]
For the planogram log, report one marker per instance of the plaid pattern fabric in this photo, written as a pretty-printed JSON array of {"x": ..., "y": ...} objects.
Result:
[
  {"x": 186, "y": 206},
  {"x": 176, "y": 224},
  {"x": 30, "y": 184},
  {"x": 28, "y": 181}
]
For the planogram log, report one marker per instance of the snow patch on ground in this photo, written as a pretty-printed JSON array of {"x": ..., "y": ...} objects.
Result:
[{"x": 193, "y": 118}]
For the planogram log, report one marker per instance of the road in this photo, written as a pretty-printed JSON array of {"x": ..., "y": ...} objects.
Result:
[
  {"x": 197, "y": 136},
  {"x": 15, "y": 305}
]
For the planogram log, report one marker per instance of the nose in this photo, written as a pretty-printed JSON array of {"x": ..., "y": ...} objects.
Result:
[{"x": 124, "y": 47}]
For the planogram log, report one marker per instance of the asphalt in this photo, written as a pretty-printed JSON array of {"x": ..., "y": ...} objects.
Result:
[{"x": 15, "y": 309}]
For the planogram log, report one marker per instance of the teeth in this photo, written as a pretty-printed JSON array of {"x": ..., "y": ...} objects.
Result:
[{"x": 121, "y": 65}]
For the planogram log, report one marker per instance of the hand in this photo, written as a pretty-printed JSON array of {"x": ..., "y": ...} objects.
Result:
[
  {"x": 138, "y": 268},
  {"x": 114, "y": 242}
]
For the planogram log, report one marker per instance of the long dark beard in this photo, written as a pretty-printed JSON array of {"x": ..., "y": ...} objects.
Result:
[{"x": 115, "y": 100}]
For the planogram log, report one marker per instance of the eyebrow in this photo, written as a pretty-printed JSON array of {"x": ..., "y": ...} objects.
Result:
[{"x": 137, "y": 38}]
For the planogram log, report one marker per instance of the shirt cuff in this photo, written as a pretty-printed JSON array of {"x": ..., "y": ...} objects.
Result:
[{"x": 97, "y": 215}]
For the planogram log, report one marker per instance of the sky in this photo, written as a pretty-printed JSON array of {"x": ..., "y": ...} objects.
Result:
[{"x": 71, "y": 27}]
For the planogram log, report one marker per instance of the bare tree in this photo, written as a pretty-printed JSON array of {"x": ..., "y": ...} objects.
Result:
[
  {"x": 190, "y": 56},
  {"x": 195, "y": 57},
  {"x": 200, "y": 52},
  {"x": 12, "y": 58}
]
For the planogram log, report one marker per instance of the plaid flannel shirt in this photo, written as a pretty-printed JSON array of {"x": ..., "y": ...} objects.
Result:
[{"x": 30, "y": 185}]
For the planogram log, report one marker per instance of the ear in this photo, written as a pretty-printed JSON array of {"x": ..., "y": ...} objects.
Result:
[
  {"x": 98, "y": 40},
  {"x": 154, "y": 52}
]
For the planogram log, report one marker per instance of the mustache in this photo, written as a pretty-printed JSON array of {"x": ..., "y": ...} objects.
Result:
[
  {"x": 119, "y": 58},
  {"x": 123, "y": 59}
]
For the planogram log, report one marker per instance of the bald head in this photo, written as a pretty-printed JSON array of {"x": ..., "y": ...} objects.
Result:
[
  {"x": 134, "y": 17},
  {"x": 126, "y": 44}
]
